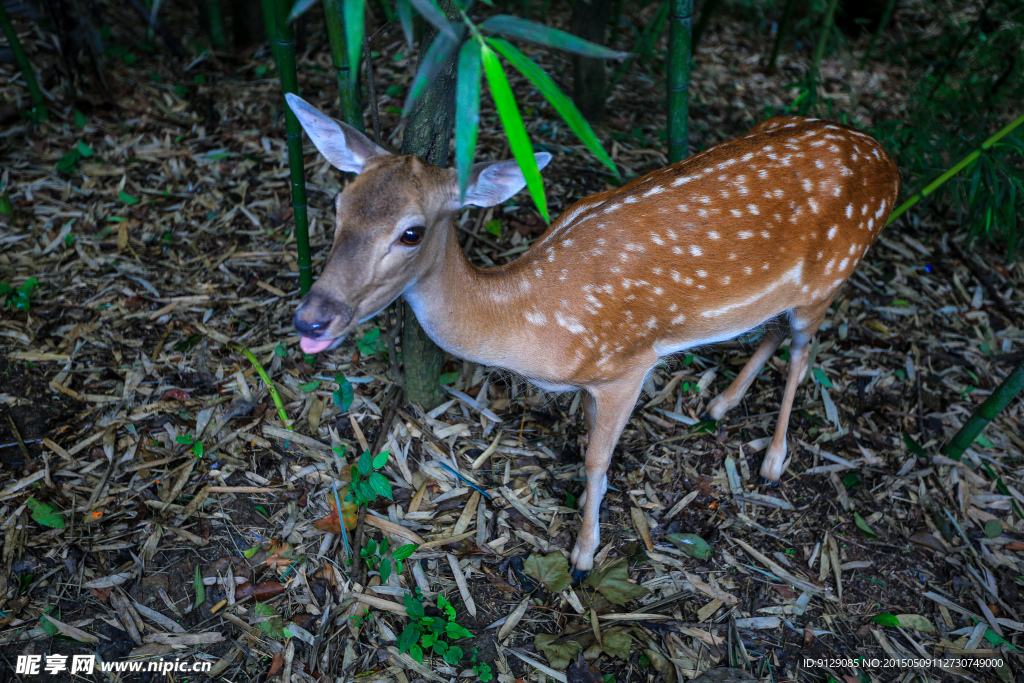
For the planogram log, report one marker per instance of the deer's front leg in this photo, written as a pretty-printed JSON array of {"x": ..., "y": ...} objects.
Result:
[{"x": 612, "y": 405}]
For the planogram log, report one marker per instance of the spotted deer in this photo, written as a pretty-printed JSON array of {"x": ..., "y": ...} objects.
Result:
[{"x": 763, "y": 227}]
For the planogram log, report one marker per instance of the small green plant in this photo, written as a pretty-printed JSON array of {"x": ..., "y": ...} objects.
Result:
[
  {"x": 361, "y": 621},
  {"x": 189, "y": 440},
  {"x": 343, "y": 395},
  {"x": 367, "y": 481},
  {"x": 69, "y": 162},
  {"x": 375, "y": 555},
  {"x": 371, "y": 343},
  {"x": 19, "y": 298},
  {"x": 481, "y": 669},
  {"x": 432, "y": 633}
]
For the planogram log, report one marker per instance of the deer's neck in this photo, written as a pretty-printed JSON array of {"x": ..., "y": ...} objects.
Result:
[{"x": 467, "y": 311}]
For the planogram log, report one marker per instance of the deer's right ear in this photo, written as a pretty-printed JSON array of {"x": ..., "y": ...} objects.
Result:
[{"x": 342, "y": 145}]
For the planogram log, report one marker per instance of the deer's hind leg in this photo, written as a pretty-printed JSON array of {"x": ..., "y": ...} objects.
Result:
[
  {"x": 804, "y": 323},
  {"x": 730, "y": 398}
]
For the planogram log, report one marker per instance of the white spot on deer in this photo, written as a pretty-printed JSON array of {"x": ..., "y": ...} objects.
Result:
[
  {"x": 630, "y": 200},
  {"x": 675, "y": 275},
  {"x": 657, "y": 189},
  {"x": 853, "y": 248},
  {"x": 842, "y": 264},
  {"x": 864, "y": 210},
  {"x": 612, "y": 207},
  {"x": 703, "y": 199},
  {"x": 745, "y": 234},
  {"x": 836, "y": 190},
  {"x": 844, "y": 171},
  {"x": 877, "y": 155},
  {"x": 747, "y": 270},
  {"x": 538, "y": 272},
  {"x": 687, "y": 281},
  {"x": 671, "y": 234},
  {"x": 673, "y": 307},
  {"x": 677, "y": 250},
  {"x": 831, "y": 127},
  {"x": 832, "y": 231},
  {"x": 656, "y": 238},
  {"x": 818, "y": 163},
  {"x": 567, "y": 243},
  {"x": 536, "y": 317},
  {"x": 630, "y": 246},
  {"x": 724, "y": 193},
  {"x": 551, "y": 254},
  {"x": 881, "y": 210},
  {"x": 656, "y": 270},
  {"x": 695, "y": 250},
  {"x": 564, "y": 274},
  {"x": 713, "y": 235},
  {"x": 828, "y": 267},
  {"x": 791, "y": 276},
  {"x": 682, "y": 180},
  {"x": 652, "y": 323},
  {"x": 819, "y": 143},
  {"x": 684, "y": 208},
  {"x": 813, "y": 204},
  {"x": 752, "y": 208},
  {"x": 679, "y": 319},
  {"x": 849, "y": 210},
  {"x": 658, "y": 291},
  {"x": 834, "y": 149},
  {"x": 736, "y": 212},
  {"x": 871, "y": 223},
  {"x": 765, "y": 234},
  {"x": 778, "y": 192},
  {"x": 807, "y": 185},
  {"x": 725, "y": 280},
  {"x": 701, "y": 273},
  {"x": 732, "y": 255},
  {"x": 702, "y": 213}
]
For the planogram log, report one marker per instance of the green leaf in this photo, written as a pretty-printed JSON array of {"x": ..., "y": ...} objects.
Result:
[
  {"x": 403, "y": 552},
  {"x": 380, "y": 485},
  {"x": 559, "y": 655},
  {"x": 863, "y": 525},
  {"x": 467, "y": 103},
  {"x": 45, "y": 515},
  {"x": 428, "y": 639},
  {"x": 433, "y": 14},
  {"x": 274, "y": 625},
  {"x": 449, "y": 377},
  {"x": 445, "y": 606},
  {"x": 365, "y": 464},
  {"x": 310, "y": 386},
  {"x": 562, "y": 104},
  {"x": 385, "y": 571},
  {"x": 416, "y": 652},
  {"x": 368, "y": 344},
  {"x": 343, "y": 395},
  {"x": 440, "y": 647},
  {"x": 616, "y": 642},
  {"x": 6, "y": 207},
  {"x": 408, "y": 638},
  {"x": 380, "y": 459},
  {"x": 384, "y": 545},
  {"x": 512, "y": 122},
  {"x": 494, "y": 227},
  {"x": 886, "y": 619},
  {"x": 197, "y": 449},
  {"x": 437, "y": 54},
  {"x": 299, "y": 8},
  {"x": 280, "y": 351},
  {"x": 79, "y": 119},
  {"x": 913, "y": 446},
  {"x": 455, "y": 632},
  {"x": 413, "y": 607},
  {"x": 126, "y": 198},
  {"x": 405, "y": 16},
  {"x": 613, "y": 582},
  {"x": 534, "y": 32},
  {"x": 691, "y": 544},
  {"x": 453, "y": 655},
  {"x": 821, "y": 378},
  {"x": 371, "y": 547},
  {"x": 354, "y": 28},
  {"x": 552, "y": 571},
  {"x": 993, "y": 528},
  {"x": 84, "y": 149},
  {"x": 199, "y": 587},
  {"x": 916, "y": 622},
  {"x": 69, "y": 161},
  {"x": 185, "y": 439}
]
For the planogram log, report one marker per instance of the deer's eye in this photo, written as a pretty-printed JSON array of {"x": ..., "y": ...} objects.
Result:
[{"x": 412, "y": 236}]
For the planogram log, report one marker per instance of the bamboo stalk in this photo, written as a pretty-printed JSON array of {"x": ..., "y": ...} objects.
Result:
[
  {"x": 21, "y": 59},
  {"x": 348, "y": 78},
  {"x": 215, "y": 17},
  {"x": 679, "y": 79},
  {"x": 707, "y": 10},
  {"x": 289, "y": 84},
  {"x": 787, "y": 14},
  {"x": 963, "y": 163},
  {"x": 878, "y": 32},
  {"x": 819, "y": 51},
  {"x": 270, "y": 25},
  {"x": 985, "y": 413}
]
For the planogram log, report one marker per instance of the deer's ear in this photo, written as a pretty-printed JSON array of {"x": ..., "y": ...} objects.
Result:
[
  {"x": 342, "y": 145},
  {"x": 492, "y": 182}
]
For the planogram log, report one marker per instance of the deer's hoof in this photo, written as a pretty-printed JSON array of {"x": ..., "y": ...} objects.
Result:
[
  {"x": 769, "y": 483},
  {"x": 578, "y": 575}
]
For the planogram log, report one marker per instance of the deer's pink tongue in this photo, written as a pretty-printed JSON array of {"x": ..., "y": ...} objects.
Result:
[{"x": 314, "y": 345}]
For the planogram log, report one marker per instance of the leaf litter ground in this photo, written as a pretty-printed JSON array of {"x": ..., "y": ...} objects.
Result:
[{"x": 170, "y": 241}]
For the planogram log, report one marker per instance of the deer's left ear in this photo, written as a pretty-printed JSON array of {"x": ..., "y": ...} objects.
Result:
[
  {"x": 342, "y": 145},
  {"x": 492, "y": 182}
]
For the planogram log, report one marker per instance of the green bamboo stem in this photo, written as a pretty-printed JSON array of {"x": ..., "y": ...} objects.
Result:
[
  {"x": 963, "y": 163},
  {"x": 707, "y": 10},
  {"x": 985, "y": 413},
  {"x": 787, "y": 14},
  {"x": 819, "y": 51},
  {"x": 270, "y": 385},
  {"x": 679, "y": 79},
  {"x": 878, "y": 32},
  {"x": 215, "y": 17},
  {"x": 348, "y": 78},
  {"x": 270, "y": 24},
  {"x": 21, "y": 59},
  {"x": 289, "y": 84}
]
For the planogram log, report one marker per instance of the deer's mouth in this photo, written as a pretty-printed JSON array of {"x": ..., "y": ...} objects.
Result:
[{"x": 311, "y": 345}]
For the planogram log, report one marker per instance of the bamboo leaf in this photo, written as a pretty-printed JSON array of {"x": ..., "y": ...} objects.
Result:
[
  {"x": 405, "y": 17},
  {"x": 433, "y": 14},
  {"x": 354, "y": 30},
  {"x": 299, "y": 8},
  {"x": 534, "y": 32},
  {"x": 440, "y": 49},
  {"x": 467, "y": 103},
  {"x": 562, "y": 104},
  {"x": 512, "y": 122}
]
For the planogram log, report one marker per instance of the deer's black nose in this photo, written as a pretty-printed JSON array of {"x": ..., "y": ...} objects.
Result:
[
  {"x": 317, "y": 313},
  {"x": 311, "y": 328}
]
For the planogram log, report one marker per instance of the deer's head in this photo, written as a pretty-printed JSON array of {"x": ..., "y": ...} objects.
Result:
[{"x": 392, "y": 224}]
